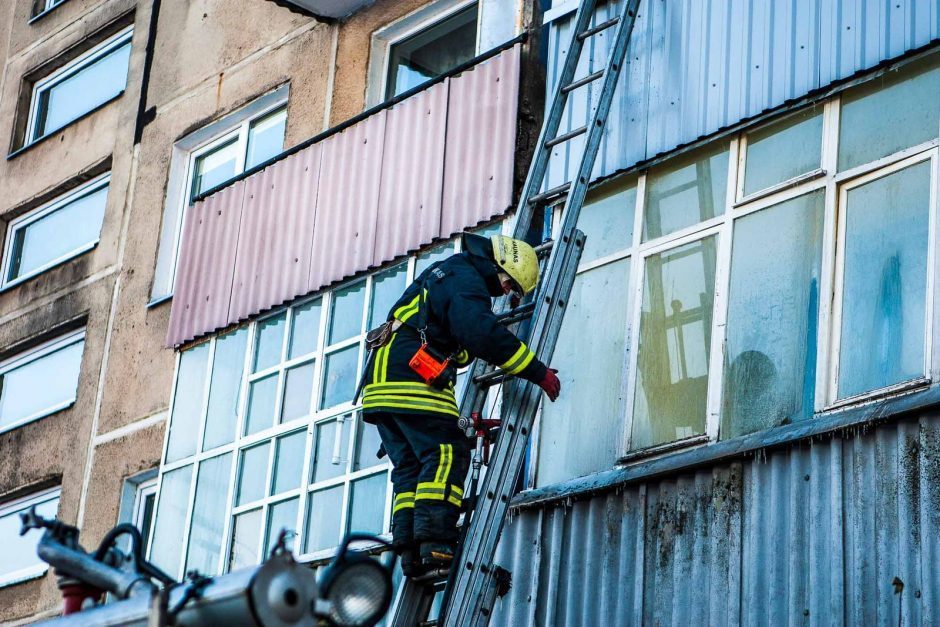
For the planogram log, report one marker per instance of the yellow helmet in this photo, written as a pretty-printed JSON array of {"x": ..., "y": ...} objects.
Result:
[{"x": 518, "y": 260}]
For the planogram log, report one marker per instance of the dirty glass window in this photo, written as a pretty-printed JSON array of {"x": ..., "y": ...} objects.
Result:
[
  {"x": 55, "y": 232},
  {"x": 783, "y": 151},
  {"x": 770, "y": 342},
  {"x": 205, "y": 532},
  {"x": 685, "y": 191},
  {"x": 79, "y": 87},
  {"x": 893, "y": 112},
  {"x": 41, "y": 381},
  {"x": 20, "y": 561},
  {"x": 885, "y": 281},
  {"x": 432, "y": 51},
  {"x": 674, "y": 344}
]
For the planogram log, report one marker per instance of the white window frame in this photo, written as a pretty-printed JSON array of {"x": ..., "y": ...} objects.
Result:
[
  {"x": 51, "y": 4},
  {"x": 38, "y": 214},
  {"x": 179, "y": 187},
  {"x": 144, "y": 489},
  {"x": 67, "y": 71},
  {"x": 19, "y": 505},
  {"x": 33, "y": 354}
]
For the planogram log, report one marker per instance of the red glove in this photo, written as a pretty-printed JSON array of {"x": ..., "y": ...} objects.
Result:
[{"x": 550, "y": 384}]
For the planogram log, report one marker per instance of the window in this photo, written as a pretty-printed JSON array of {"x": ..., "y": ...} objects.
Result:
[
  {"x": 211, "y": 157},
  {"x": 41, "y": 381},
  {"x": 55, "y": 232},
  {"x": 264, "y": 436},
  {"x": 432, "y": 51},
  {"x": 20, "y": 561},
  {"x": 80, "y": 87}
]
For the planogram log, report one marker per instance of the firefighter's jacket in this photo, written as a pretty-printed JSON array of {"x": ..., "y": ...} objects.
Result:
[{"x": 459, "y": 322}]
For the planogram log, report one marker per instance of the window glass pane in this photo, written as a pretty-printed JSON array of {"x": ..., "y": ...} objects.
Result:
[
  {"x": 81, "y": 92},
  {"x": 367, "y": 509},
  {"x": 298, "y": 389},
  {"x": 225, "y": 388},
  {"x": 269, "y": 341},
  {"x": 782, "y": 151},
  {"x": 324, "y": 514},
  {"x": 346, "y": 314},
  {"x": 770, "y": 347},
  {"x": 329, "y": 458},
  {"x": 19, "y": 552},
  {"x": 688, "y": 190},
  {"x": 281, "y": 515},
  {"x": 432, "y": 52},
  {"x": 187, "y": 405},
  {"x": 289, "y": 462},
  {"x": 246, "y": 536},
  {"x": 429, "y": 257},
  {"x": 340, "y": 377},
  {"x": 261, "y": 397},
  {"x": 367, "y": 446},
  {"x": 575, "y": 442},
  {"x": 40, "y": 385},
  {"x": 266, "y": 138},
  {"x": 57, "y": 235},
  {"x": 675, "y": 338},
  {"x": 607, "y": 221},
  {"x": 888, "y": 114},
  {"x": 213, "y": 168},
  {"x": 252, "y": 474},
  {"x": 306, "y": 329},
  {"x": 387, "y": 287},
  {"x": 205, "y": 532},
  {"x": 145, "y": 520},
  {"x": 885, "y": 284},
  {"x": 167, "y": 548}
]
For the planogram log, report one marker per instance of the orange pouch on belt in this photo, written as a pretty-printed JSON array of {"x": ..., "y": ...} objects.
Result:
[{"x": 429, "y": 364}]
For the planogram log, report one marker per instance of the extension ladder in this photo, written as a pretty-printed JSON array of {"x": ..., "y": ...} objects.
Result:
[{"x": 474, "y": 581}]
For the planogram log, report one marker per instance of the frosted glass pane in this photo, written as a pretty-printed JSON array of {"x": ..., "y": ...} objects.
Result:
[
  {"x": 298, "y": 388},
  {"x": 340, "y": 376},
  {"x": 166, "y": 551},
  {"x": 329, "y": 458},
  {"x": 368, "y": 446},
  {"x": 252, "y": 474},
  {"x": 306, "y": 329},
  {"x": 885, "y": 285},
  {"x": 675, "y": 338},
  {"x": 269, "y": 340},
  {"x": 324, "y": 515},
  {"x": 888, "y": 114},
  {"x": 187, "y": 404},
  {"x": 40, "y": 385},
  {"x": 607, "y": 221},
  {"x": 685, "y": 191},
  {"x": 246, "y": 536},
  {"x": 19, "y": 552},
  {"x": 281, "y": 515},
  {"x": 205, "y": 532},
  {"x": 261, "y": 397},
  {"x": 580, "y": 432},
  {"x": 225, "y": 388},
  {"x": 770, "y": 346},
  {"x": 386, "y": 290},
  {"x": 367, "y": 511},
  {"x": 346, "y": 314},
  {"x": 289, "y": 462},
  {"x": 783, "y": 151}
]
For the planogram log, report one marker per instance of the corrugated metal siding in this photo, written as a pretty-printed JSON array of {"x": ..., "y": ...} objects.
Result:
[
  {"x": 430, "y": 166},
  {"x": 813, "y": 534},
  {"x": 696, "y": 66}
]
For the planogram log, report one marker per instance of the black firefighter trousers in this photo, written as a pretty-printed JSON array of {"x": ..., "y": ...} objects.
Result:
[{"x": 431, "y": 456}]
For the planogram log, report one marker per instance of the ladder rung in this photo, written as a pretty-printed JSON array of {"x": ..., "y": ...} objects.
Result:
[
  {"x": 590, "y": 78},
  {"x": 555, "y": 191},
  {"x": 515, "y": 315},
  {"x": 581, "y": 130},
  {"x": 596, "y": 29},
  {"x": 494, "y": 377}
]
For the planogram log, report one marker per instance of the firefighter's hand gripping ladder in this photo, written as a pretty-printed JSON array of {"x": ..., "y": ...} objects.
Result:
[{"x": 474, "y": 581}]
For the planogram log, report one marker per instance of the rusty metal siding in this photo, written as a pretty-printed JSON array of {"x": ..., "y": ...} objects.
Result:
[
  {"x": 412, "y": 174},
  {"x": 481, "y": 140},
  {"x": 277, "y": 229},
  {"x": 696, "y": 66},
  {"x": 206, "y": 265},
  {"x": 812, "y": 534}
]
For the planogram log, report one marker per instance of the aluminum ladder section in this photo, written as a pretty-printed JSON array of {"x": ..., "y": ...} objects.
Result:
[{"x": 472, "y": 587}]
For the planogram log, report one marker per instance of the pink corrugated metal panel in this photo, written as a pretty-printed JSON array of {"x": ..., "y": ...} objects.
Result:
[
  {"x": 347, "y": 202},
  {"x": 276, "y": 242},
  {"x": 481, "y": 142},
  {"x": 412, "y": 174},
  {"x": 203, "y": 287}
]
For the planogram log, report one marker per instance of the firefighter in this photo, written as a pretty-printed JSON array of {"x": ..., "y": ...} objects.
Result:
[{"x": 441, "y": 322}]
